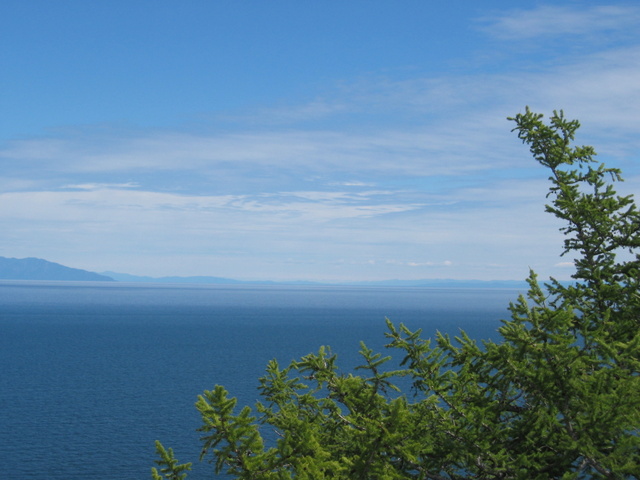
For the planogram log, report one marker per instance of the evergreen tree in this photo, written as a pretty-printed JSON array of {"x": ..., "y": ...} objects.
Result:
[{"x": 557, "y": 397}]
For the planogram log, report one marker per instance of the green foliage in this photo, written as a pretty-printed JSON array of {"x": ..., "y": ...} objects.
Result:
[
  {"x": 172, "y": 470},
  {"x": 557, "y": 397}
]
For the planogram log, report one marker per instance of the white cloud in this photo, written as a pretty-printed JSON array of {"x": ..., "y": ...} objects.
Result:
[
  {"x": 420, "y": 174},
  {"x": 115, "y": 205},
  {"x": 388, "y": 150},
  {"x": 224, "y": 231},
  {"x": 353, "y": 183},
  {"x": 565, "y": 265},
  {"x": 100, "y": 186},
  {"x": 428, "y": 264},
  {"x": 556, "y": 20},
  {"x": 460, "y": 129}
]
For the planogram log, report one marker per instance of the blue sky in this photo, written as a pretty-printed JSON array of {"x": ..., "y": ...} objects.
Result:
[{"x": 288, "y": 140}]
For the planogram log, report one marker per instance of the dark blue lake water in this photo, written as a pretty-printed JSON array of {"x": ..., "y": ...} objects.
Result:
[{"x": 91, "y": 374}]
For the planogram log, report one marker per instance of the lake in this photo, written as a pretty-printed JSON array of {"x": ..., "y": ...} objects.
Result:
[{"x": 93, "y": 373}]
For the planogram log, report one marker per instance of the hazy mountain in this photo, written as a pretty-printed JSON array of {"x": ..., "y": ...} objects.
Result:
[
  {"x": 436, "y": 283},
  {"x": 39, "y": 269},
  {"x": 125, "y": 277},
  {"x": 445, "y": 283}
]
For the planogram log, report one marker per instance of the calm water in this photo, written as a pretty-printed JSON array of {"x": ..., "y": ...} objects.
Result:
[{"x": 91, "y": 374}]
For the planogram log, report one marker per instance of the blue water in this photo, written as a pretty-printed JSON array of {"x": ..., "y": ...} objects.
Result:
[{"x": 91, "y": 374}]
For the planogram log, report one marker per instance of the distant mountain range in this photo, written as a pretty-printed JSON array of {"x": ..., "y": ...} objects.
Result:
[
  {"x": 125, "y": 277},
  {"x": 38, "y": 269}
]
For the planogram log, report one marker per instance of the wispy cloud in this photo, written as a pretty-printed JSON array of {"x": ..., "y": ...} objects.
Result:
[
  {"x": 352, "y": 183},
  {"x": 461, "y": 129},
  {"x": 316, "y": 150},
  {"x": 565, "y": 264},
  {"x": 415, "y": 173},
  {"x": 413, "y": 264},
  {"x": 557, "y": 20},
  {"x": 100, "y": 186}
]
